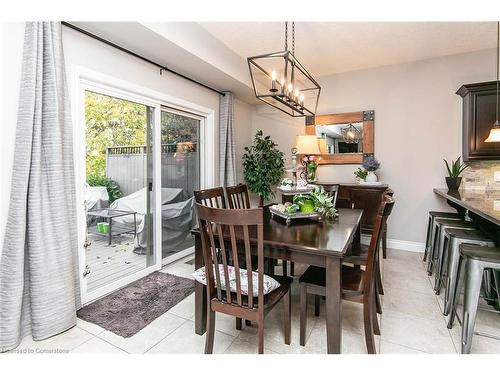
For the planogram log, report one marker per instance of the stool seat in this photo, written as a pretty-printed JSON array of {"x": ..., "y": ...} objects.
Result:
[
  {"x": 443, "y": 214},
  {"x": 453, "y": 221},
  {"x": 430, "y": 228},
  {"x": 467, "y": 235},
  {"x": 481, "y": 253}
]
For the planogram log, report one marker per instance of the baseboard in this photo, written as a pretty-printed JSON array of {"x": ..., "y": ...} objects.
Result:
[{"x": 416, "y": 247}]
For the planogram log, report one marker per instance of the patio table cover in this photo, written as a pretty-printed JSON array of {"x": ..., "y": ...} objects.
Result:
[{"x": 177, "y": 217}]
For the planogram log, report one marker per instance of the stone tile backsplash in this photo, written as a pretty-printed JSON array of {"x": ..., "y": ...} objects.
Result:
[{"x": 480, "y": 175}]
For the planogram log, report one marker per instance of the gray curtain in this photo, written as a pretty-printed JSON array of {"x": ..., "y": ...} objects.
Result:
[
  {"x": 38, "y": 267},
  {"x": 227, "y": 158}
]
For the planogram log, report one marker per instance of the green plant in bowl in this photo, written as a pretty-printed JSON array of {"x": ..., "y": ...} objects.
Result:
[{"x": 316, "y": 201}]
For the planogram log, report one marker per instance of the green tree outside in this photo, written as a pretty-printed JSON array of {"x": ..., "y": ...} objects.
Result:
[{"x": 111, "y": 122}]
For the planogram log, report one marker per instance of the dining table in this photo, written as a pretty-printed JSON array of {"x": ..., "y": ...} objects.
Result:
[{"x": 313, "y": 242}]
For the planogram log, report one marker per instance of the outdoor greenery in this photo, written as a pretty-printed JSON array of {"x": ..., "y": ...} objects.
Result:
[
  {"x": 456, "y": 168},
  {"x": 177, "y": 128},
  {"x": 263, "y": 166},
  {"x": 111, "y": 186},
  {"x": 111, "y": 122}
]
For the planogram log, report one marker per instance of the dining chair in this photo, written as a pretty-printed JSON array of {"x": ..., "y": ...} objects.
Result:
[
  {"x": 358, "y": 285},
  {"x": 211, "y": 197},
  {"x": 237, "y": 197},
  {"x": 234, "y": 290},
  {"x": 364, "y": 199}
]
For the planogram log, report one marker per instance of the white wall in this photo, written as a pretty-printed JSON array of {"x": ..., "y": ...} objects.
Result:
[
  {"x": 83, "y": 51},
  {"x": 11, "y": 47},
  {"x": 417, "y": 124}
]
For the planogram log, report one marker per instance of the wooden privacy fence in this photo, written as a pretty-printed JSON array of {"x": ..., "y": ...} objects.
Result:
[{"x": 127, "y": 166}]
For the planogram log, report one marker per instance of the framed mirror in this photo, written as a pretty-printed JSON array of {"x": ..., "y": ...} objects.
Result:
[{"x": 343, "y": 138}]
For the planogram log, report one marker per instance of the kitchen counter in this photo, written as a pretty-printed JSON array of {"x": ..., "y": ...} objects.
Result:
[{"x": 485, "y": 204}]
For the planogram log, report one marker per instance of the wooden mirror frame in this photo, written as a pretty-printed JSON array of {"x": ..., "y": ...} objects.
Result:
[{"x": 368, "y": 120}]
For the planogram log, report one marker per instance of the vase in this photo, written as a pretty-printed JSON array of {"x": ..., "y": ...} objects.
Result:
[
  {"x": 453, "y": 182},
  {"x": 307, "y": 206},
  {"x": 371, "y": 177}
]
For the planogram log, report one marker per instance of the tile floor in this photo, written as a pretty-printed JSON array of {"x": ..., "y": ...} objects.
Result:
[{"x": 411, "y": 323}]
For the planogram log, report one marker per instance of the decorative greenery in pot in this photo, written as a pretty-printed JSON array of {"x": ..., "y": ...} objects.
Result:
[
  {"x": 318, "y": 200},
  {"x": 311, "y": 167},
  {"x": 263, "y": 166},
  {"x": 361, "y": 174},
  {"x": 454, "y": 171},
  {"x": 111, "y": 186},
  {"x": 371, "y": 165}
]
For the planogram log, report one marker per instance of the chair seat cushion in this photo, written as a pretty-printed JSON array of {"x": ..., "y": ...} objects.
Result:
[{"x": 270, "y": 284}]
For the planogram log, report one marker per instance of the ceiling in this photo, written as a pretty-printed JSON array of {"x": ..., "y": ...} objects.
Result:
[{"x": 333, "y": 47}]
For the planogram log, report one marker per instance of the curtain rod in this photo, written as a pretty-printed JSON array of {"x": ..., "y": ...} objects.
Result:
[{"x": 162, "y": 68}]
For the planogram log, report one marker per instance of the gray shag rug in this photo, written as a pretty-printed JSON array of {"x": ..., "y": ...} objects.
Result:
[{"x": 130, "y": 309}]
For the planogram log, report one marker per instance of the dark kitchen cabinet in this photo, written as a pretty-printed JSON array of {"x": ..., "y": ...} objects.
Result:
[{"x": 478, "y": 101}]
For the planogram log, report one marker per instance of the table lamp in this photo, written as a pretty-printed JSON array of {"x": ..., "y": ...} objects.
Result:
[{"x": 307, "y": 145}]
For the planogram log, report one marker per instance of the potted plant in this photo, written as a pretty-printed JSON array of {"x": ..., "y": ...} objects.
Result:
[
  {"x": 311, "y": 163},
  {"x": 371, "y": 164},
  {"x": 263, "y": 166},
  {"x": 360, "y": 175},
  {"x": 454, "y": 180},
  {"x": 318, "y": 200}
]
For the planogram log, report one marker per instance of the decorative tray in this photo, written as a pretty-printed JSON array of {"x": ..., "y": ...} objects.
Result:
[
  {"x": 297, "y": 215},
  {"x": 294, "y": 190}
]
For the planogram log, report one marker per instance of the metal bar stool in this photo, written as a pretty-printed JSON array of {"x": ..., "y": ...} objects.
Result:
[
  {"x": 438, "y": 230},
  {"x": 474, "y": 260},
  {"x": 443, "y": 243},
  {"x": 456, "y": 237},
  {"x": 430, "y": 225}
]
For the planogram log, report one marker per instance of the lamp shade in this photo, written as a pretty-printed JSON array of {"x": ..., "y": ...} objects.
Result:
[
  {"x": 307, "y": 145},
  {"x": 494, "y": 134}
]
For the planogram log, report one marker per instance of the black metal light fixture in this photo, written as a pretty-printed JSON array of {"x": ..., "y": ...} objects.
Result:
[
  {"x": 281, "y": 81},
  {"x": 494, "y": 135},
  {"x": 351, "y": 134}
]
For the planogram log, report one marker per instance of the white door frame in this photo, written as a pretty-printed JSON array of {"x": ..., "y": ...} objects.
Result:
[{"x": 84, "y": 79}]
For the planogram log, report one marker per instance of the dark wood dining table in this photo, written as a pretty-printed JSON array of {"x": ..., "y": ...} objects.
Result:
[{"x": 318, "y": 243}]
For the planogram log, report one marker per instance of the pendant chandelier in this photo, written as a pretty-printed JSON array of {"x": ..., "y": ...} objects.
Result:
[
  {"x": 350, "y": 134},
  {"x": 495, "y": 130},
  {"x": 281, "y": 81}
]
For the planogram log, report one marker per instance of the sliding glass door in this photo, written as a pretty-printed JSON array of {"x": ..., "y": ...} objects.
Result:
[
  {"x": 180, "y": 176},
  {"x": 118, "y": 182}
]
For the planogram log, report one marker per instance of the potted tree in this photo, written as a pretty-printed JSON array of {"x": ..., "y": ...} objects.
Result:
[
  {"x": 263, "y": 166},
  {"x": 454, "y": 171}
]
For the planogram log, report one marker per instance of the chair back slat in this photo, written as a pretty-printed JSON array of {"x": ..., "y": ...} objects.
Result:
[
  {"x": 237, "y": 197},
  {"x": 383, "y": 213},
  {"x": 248, "y": 258},
  {"x": 234, "y": 248},
  {"x": 224, "y": 233},
  {"x": 211, "y": 197},
  {"x": 224, "y": 263},
  {"x": 215, "y": 256}
]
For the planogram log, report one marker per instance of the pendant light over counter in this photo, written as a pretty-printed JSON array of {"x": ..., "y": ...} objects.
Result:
[
  {"x": 280, "y": 80},
  {"x": 495, "y": 130}
]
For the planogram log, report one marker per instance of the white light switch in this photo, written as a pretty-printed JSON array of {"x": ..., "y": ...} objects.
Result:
[{"x": 497, "y": 176}]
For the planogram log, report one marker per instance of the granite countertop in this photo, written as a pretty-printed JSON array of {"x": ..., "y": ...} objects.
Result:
[{"x": 483, "y": 203}]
